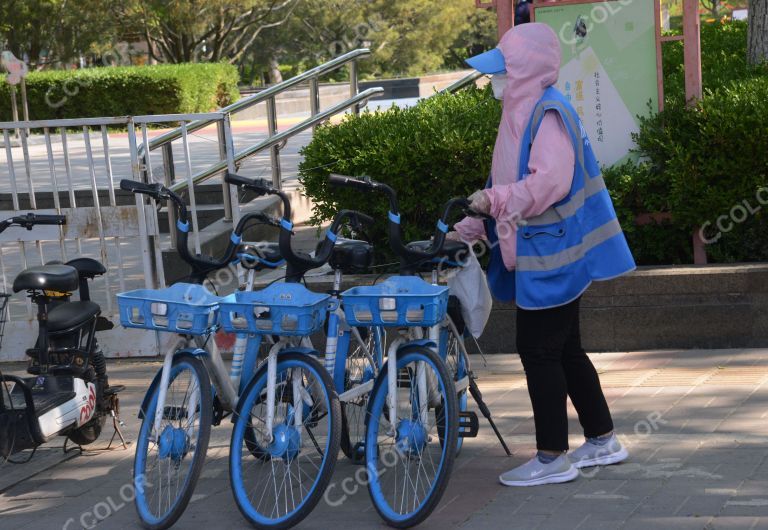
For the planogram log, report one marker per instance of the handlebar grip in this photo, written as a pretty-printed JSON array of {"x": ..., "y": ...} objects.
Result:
[
  {"x": 363, "y": 218},
  {"x": 349, "y": 182},
  {"x": 134, "y": 186},
  {"x": 257, "y": 185},
  {"x": 48, "y": 219},
  {"x": 237, "y": 180}
]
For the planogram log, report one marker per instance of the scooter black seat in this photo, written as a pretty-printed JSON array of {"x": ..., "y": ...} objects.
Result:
[
  {"x": 454, "y": 253},
  {"x": 72, "y": 314},
  {"x": 56, "y": 277},
  {"x": 87, "y": 267}
]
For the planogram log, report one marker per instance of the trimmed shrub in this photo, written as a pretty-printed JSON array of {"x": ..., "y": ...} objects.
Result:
[
  {"x": 723, "y": 59},
  {"x": 435, "y": 150},
  {"x": 703, "y": 162},
  {"x": 126, "y": 91}
]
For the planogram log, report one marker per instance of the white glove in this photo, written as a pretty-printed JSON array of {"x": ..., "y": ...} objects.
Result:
[
  {"x": 453, "y": 235},
  {"x": 480, "y": 202}
]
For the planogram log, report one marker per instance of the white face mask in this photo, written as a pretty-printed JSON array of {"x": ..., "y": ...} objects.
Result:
[{"x": 498, "y": 83}]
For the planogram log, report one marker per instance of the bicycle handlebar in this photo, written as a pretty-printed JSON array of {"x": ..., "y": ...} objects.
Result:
[
  {"x": 201, "y": 264},
  {"x": 298, "y": 263},
  {"x": 31, "y": 219},
  {"x": 409, "y": 255}
]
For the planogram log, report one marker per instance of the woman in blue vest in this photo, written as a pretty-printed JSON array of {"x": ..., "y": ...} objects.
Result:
[{"x": 554, "y": 232}]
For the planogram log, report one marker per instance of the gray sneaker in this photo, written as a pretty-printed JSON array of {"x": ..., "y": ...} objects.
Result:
[
  {"x": 534, "y": 473},
  {"x": 590, "y": 454}
]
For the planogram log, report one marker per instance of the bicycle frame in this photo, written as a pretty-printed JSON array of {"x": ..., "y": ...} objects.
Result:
[{"x": 338, "y": 340}]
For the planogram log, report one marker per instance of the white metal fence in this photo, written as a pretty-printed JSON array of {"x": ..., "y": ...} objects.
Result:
[{"x": 73, "y": 168}]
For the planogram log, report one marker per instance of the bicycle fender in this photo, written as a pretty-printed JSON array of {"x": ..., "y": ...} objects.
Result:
[
  {"x": 424, "y": 343},
  {"x": 196, "y": 352},
  {"x": 298, "y": 349}
]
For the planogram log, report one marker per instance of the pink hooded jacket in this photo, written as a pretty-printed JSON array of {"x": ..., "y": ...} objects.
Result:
[{"x": 532, "y": 56}]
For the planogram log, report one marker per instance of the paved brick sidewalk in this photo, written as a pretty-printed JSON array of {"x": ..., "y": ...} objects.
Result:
[{"x": 696, "y": 424}]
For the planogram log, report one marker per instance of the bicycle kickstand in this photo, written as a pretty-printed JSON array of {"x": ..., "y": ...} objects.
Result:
[{"x": 474, "y": 390}]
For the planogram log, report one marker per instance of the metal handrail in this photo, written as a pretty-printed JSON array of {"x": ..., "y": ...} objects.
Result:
[
  {"x": 263, "y": 96},
  {"x": 461, "y": 83},
  {"x": 280, "y": 137}
]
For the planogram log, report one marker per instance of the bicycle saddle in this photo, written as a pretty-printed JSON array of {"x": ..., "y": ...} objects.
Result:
[
  {"x": 267, "y": 253},
  {"x": 54, "y": 277},
  {"x": 87, "y": 267},
  {"x": 454, "y": 253},
  {"x": 351, "y": 255}
]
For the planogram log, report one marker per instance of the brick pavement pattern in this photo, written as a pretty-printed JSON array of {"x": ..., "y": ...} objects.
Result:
[{"x": 695, "y": 423}]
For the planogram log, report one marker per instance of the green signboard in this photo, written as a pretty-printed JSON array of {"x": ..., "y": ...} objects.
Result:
[{"x": 609, "y": 70}]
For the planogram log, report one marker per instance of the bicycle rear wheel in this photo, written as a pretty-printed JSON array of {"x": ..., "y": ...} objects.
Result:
[
  {"x": 452, "y": 352},
  {"x": 361, "y": 367},
  {"x": 280, "y": 488},
  {"x": 408, "y": 466},
  {"x": 168, "y": 462}
]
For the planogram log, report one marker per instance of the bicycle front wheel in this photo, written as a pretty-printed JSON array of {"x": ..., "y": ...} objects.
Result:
[
  {"x": 168, "y": 461},
  {"x": 408, "y": 466},
  {"x": 282, "y": 485}
]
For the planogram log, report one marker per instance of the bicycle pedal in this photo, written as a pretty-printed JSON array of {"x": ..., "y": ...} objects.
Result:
[{"x": 468, "y": 424}]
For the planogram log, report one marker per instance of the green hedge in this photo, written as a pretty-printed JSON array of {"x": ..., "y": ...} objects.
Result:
[
  {"x": 723, "y": 59},
  {"x": 126, "y": 91},
  {"x": 437, "y": 149},
  {"x": 700, "y": 163}
]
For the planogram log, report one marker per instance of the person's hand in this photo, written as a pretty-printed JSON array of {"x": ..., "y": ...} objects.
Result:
[
  {"x": 480, "y": 202},
  {"x": 453, "y": 235}
]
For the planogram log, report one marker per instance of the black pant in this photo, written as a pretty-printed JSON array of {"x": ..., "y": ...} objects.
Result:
[{"x": 556, "y": 367}]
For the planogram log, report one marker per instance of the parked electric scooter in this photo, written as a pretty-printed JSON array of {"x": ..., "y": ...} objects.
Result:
[{"x": 68, "y": 393}]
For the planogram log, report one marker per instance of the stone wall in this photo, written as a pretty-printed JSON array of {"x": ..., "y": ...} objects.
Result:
[{"x": 654, "y": 308}]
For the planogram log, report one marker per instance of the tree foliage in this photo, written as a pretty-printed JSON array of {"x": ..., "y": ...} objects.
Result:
[
  {"x": 407, "y": 37},
  {"x": 46, "y": 32},
  {"x": 205, "y": 30}
]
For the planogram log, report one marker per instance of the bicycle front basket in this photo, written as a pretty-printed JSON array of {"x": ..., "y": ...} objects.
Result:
[
  {"x": 398, "y": 301},
  {"x": 185, "y": 308},
  {"x": 286, "y": 309}
]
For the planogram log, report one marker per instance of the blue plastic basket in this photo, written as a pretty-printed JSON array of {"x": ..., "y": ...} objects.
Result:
[
  {"x": 398, "y": 301},
  {"x": 184, "y": 308},
  {"x": 287, "y": 309}
]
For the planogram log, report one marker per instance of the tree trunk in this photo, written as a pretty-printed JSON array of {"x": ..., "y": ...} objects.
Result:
[
  {"x": 274, "y": 70},
  {"x": 713, "y": 6},
  {"x": 757, "y": 47}
]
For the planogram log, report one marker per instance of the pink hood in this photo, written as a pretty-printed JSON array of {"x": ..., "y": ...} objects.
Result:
[{"x": 532, "y": 55}]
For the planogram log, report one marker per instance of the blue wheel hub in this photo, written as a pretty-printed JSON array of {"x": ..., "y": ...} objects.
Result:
[
  {"x": 173, "y": 443},
  {"x": 411, "y": 438},
  {"x": 286, "y": 442}
]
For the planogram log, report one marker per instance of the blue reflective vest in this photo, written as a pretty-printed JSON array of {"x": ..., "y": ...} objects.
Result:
[{"x": 576, "y": 241}]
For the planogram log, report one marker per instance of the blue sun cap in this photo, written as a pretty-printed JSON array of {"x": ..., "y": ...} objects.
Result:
[{"x": 490, "y": 62}]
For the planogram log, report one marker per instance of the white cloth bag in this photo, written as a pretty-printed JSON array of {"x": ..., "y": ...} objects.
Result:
[{"x": 470, "y": 286}]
